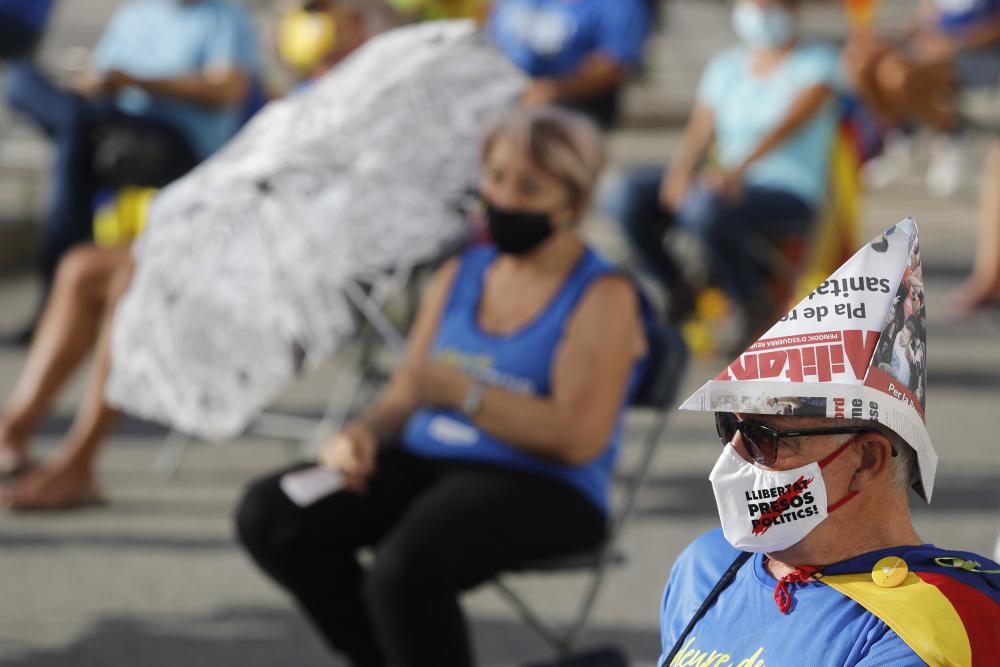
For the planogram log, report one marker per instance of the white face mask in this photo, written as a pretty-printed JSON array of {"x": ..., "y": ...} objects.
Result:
[
  {"x": 770, "y": 510},
  {"x": 763, "y": 28}
]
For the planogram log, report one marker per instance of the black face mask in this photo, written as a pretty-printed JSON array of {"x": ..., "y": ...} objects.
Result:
[{"x": 517, "y": 232}]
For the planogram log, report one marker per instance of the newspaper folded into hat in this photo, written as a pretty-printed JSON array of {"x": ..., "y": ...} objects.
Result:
[{"x": 856, "y": 347}]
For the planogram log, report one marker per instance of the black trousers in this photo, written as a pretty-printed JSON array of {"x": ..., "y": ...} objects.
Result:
[{"x": 438, "y": 528}]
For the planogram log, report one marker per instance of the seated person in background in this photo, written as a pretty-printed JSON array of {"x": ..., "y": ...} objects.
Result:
[
  {"x": 953, "y": 46},
  {"x": 578, "y": 54},
  {"x": 171, "y": 75},
  {"x": 766, "y": 111},
  {"x": 77, "y": 319},
  {"x": 316, "y": 35},
  {"x": 803, "y": 572},
  {"x": 21, "y": 25},
  {"x": 495, "y": 441}
]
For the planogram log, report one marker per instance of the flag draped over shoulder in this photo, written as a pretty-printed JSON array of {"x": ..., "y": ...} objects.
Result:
[{"x": 947, "y": 609}]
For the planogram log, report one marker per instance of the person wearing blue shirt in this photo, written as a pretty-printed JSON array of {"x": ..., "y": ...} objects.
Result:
[
  {"x": 495, "y": 441},
  {"x": 855, "y": 588},
  {"x": 170, "y": 76},
  {"x": 21, "y": 25},
  {"x": 766, "y": 112},
  {"x": 578, "y": 53}
]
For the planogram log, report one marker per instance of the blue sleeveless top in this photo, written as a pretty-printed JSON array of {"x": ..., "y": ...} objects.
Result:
[{"x": 521, "y": 362}]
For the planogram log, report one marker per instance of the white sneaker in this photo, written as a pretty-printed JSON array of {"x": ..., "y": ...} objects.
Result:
[
  {"x": 894, "y": 164},
  {"x": 946, "y": 167}
]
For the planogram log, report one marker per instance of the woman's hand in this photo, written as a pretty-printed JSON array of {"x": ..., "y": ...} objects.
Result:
[
  {"x": 540, "y": 92},
  {"x": 674, "y": 188},
  {"x": 727, "y": 183},
  {"x": 441, "y": 385},
  {"x": 352, "y": 454}
]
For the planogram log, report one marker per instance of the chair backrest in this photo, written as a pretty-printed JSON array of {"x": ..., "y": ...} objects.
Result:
[{"x": 668, "y": 359}]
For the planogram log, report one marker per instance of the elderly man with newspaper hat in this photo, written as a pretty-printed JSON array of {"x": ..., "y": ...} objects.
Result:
[{"x": 818, "y": 562}]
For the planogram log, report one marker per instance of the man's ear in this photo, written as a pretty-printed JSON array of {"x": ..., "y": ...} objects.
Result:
[{"x": 875, "y": 463}]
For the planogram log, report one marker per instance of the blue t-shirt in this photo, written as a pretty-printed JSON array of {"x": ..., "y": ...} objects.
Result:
[
  {"x": 520, "y": 362},
  {"x": 959, "y": 15},
  {"x": 551, "y": 38},
  {"x": 168, "y": 38},
  {"x": 747, "y": 107},
  {"x": 824, "y": 628},
  {"x": 31, "y": 13}
]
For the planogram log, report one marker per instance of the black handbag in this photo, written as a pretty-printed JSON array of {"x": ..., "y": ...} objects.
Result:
[{"x": 123, "y": 155}]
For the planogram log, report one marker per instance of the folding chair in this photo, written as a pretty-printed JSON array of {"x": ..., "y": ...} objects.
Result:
[
  {"x": 369, "y": 296},
  {"x": 667, "y": 365}
]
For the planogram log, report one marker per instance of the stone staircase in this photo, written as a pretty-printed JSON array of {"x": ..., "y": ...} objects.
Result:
[{"x": 690, "y": 31}]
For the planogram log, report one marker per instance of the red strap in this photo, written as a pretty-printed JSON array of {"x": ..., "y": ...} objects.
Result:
[
  {"x": 836, "y": 505},
  {"x": 839, "y": 450},
  {"x": 783, "y": 593}
]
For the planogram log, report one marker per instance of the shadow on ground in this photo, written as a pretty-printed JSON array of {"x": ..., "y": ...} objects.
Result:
[{"x": 267, "y": 636}]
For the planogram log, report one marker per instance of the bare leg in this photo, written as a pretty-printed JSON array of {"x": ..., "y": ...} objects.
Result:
[
  {"x": 67, "y": 332},
  {"x": 69, "y": 480},
  {"x": 982, "y": 287}
]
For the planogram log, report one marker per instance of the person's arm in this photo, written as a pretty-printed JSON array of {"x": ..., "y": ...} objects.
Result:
[
  {"x": 729, "y": 182},
  {"x": 809, "y": 102},
  {"x": 229, "y": 58},
  {"x": 215, "y": 87},
  {"x": 596, "y": 75},
  {"x": 400, "y": 398},
  {"x": 619, "y": 38},
  {"x": 983, "y": 34},
  {"x": 602, "y": 342},
  {"x": 694, "y": 145}
]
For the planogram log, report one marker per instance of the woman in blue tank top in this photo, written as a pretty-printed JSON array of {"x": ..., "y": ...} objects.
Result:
[{"x": 494, "y": 442}]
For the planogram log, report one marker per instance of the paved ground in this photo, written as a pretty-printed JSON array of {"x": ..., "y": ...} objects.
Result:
[{"x": 155, "y": 578}]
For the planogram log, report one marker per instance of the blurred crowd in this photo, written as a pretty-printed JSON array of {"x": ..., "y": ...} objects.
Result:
[{"x": 749, "y": 201}]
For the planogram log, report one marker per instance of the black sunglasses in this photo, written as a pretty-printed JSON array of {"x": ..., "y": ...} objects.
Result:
[{"x": 762, "y": 441}]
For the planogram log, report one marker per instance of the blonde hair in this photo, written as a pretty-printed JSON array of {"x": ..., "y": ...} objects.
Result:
[{"x": 562, "y": 144}]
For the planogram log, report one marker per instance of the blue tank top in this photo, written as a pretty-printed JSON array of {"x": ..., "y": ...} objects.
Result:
[{"x": 521, "y": 362}]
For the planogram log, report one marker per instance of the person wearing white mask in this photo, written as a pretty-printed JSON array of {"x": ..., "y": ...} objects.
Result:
[
  {"x": 814, "y": 510},
  {"x": 766, "y": 111},
  {"x": 817, "y": 561}
]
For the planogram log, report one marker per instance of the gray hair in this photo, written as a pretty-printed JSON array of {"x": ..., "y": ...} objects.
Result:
[
  {"x": 563, "y": 144},
  {"x": 905, "y": 469}
]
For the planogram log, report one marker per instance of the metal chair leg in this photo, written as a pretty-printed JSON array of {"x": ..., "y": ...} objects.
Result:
[
  {"x": 168, "y": 460},
  {"x": 533, "y": 620}
]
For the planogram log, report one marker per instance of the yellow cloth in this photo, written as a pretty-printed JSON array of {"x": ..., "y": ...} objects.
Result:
[
  {"x": 306, "y": 38},
  {"x": 122, "y": 218},
  {"x": 836, "y": 238},
  {"x": 445, "y": 9},
  {"x": 919, "y": 613}
]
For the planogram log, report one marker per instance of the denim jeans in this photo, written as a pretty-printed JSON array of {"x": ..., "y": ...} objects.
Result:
[{"x": 726, "y": 229}]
